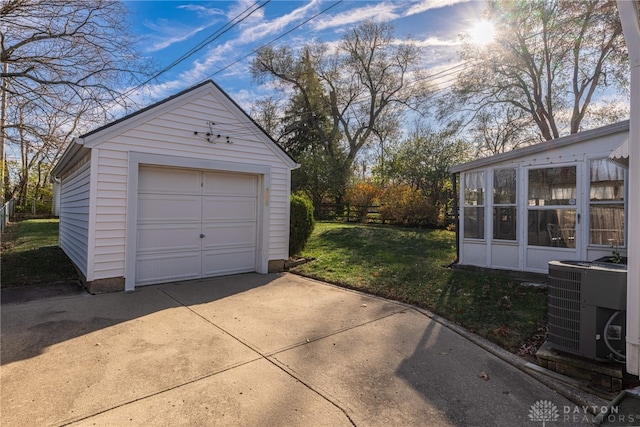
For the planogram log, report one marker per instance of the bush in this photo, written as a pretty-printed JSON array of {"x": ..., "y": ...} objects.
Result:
[
  {"x": 301, "y": 224},
  {"x": 403, "y": 205},
  {"x": 361, "y": 196},
  {"x": 41, "y": 208}
]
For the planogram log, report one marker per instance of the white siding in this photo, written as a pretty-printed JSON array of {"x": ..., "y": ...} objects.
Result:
[
  {"x": 172, "y": 134},
  {"x": 517, "y": 255},
  {"x": 74, "y": 213},
  {"x": 111, "y": 199}
]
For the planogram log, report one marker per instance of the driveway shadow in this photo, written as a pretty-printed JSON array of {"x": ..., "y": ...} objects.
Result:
[
  {"x": 470, "y": 385},
  {"x": 28, "y": 329}
]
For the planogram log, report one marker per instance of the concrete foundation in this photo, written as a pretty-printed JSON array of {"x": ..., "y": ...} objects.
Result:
[
  {"x": 103, "y": 286},
  {"x": 276, "y": 265}
]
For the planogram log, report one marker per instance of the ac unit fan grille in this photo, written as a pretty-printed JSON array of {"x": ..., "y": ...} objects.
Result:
[{"x": 564, "y": 308}]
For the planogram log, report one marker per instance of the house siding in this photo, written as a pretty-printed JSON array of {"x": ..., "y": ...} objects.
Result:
[
  {"x": 172, "y": 134},
  {"x": 74, "y": 213}
]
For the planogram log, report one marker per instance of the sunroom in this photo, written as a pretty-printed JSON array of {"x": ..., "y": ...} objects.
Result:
[{"x": 563, "y": 199}]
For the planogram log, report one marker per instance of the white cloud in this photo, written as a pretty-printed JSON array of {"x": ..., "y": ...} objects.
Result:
[
  {"x": 437, "y": 42},
  {"x": 201, "y": 10},
  {"x": 265, "y": 28},
  {"x": 425, "y": 5},
  {"x": 242, "y": 8},
  {"x": 171, "y": 33},
  {"x": 384, "y": 11}
]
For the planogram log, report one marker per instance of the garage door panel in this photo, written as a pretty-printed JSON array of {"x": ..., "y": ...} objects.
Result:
[
  {"x": 168, "y": 238},
  {"x": 229, "y": 184},
  {"x": 228, "y": 261},
  {"x": 194, "y": 224},
  {"x": 174, "y": 209},
  {"x": 157, "y": 268},
  {"x": 219, "y": 208},
  {"x": 169, "y": 181},
  {"x": 229, "y": 235}
]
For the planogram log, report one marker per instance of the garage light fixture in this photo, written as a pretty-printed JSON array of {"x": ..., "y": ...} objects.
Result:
[{"x": 211, "y": 136}]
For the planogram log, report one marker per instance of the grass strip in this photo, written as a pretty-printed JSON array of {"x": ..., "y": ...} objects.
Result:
[
  {"x": 31, "y": 256},
  {"x": 410, "y": 265}
]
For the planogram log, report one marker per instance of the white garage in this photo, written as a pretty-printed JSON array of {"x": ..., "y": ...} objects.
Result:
[{"x": 187, "y": 188}]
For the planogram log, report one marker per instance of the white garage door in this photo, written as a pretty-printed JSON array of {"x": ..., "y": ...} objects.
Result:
[{"x": 194, "y": 224}]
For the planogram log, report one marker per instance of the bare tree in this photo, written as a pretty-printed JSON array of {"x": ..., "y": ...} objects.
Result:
[
  {"x": 364, "y": 82},
  {"x": 65, "y": 65},
  {"x": 266, "y": 113},
  {"x": 500, "y": 130},
  {"x": 549, "y": 60}
]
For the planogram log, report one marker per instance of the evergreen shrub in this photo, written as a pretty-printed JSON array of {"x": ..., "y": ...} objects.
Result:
[{"x": 302, "y": 222}]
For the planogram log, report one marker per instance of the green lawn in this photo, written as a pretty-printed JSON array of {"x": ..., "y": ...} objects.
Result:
[
  {"x": 31, "y": 256},
  {"x": 409, "y": 265}
]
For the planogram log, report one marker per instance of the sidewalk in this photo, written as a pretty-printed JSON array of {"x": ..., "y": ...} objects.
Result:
[{"x": 255, "y": 350}]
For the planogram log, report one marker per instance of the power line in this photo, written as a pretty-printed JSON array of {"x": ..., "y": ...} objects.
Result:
[
  {"x": 212, "y": 37},
  {"x": 274, "y": 40},
  {"x": 226, "y": 28}
]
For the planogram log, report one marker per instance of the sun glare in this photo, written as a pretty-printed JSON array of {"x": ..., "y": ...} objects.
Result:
[{"x": 482, "y": 33}]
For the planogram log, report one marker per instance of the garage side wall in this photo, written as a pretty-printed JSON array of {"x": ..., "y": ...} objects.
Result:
[
  {"x": 110, "y": 214},
  {"x": 74, "y": 213},
  {"x": 173, "y": 134}
]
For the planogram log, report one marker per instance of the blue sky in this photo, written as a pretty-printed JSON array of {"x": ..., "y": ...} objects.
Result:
[{"x": 173, "y": 28}]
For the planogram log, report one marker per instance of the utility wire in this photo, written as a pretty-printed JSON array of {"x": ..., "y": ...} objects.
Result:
[
  {"x": 212, "y": 37},
  {"x": 226, "y": 28},
  {"x": 274, "y": 40}
]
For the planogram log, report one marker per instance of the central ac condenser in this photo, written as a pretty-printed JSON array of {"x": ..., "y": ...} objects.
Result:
[{"x": 587, "y": 309}]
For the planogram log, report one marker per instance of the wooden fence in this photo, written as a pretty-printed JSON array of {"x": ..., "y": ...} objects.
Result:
[
  {"x": 6, "y": 213},
  {"x": 371, "y": 215},
  {"x": 349, "y": 213}
]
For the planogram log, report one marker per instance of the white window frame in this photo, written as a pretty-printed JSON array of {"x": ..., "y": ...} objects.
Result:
[
  {"x": 514, "y": 205},
  {"x": 606, "y": 202},
  {"x": 466, "y": 179}
]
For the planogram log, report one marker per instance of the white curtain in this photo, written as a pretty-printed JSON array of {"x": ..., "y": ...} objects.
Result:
[
  {"x": 474, "y": 180},
  {"x": 607, "y": 181},
  {"x": 606, "y": 170}
]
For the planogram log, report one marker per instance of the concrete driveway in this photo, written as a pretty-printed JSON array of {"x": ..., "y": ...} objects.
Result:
[{"x": 251, "y": 350}]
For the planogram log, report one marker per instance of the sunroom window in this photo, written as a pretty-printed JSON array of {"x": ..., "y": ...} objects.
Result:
[
  {"x": 504, "y": 204},
  {"x": 551, "y": 213},
  {"x": 606, "y": 203},
  {"x": 474, "y": 205}
]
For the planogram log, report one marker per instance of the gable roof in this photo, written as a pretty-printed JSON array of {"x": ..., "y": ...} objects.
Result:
[
  {"x": 543, "y": 146},
  {"x": 82, "y": 144}
]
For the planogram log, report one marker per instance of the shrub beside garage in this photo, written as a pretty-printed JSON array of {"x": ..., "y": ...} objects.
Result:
[{"x": 301, "y": 224}]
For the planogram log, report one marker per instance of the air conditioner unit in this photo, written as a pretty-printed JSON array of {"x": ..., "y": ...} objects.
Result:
[{"x": 587, "y": 309}]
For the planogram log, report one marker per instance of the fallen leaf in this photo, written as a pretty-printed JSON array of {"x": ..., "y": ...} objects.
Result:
[{"x": 483, "y": 375}]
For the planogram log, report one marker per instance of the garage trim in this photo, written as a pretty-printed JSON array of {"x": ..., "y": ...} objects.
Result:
[{"x": 138, "y": 158}]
